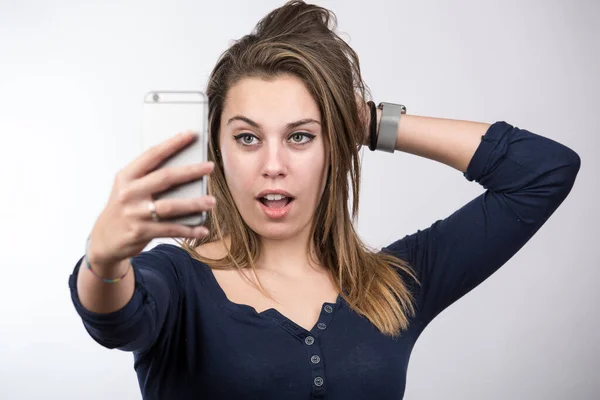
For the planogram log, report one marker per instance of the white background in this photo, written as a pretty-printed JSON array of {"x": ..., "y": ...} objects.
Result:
[{"x": 72, "y": 78}]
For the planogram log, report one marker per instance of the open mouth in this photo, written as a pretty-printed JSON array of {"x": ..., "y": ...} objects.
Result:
[{"x": 275, "y": 201}]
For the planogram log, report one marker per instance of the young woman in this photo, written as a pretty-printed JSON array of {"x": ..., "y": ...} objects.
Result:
[{"x": 279, "y": 298}]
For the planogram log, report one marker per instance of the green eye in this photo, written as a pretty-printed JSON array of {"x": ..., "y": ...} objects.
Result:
[
  {"x": 298, "y": 137},
  {"x": 246, "y": 138}
]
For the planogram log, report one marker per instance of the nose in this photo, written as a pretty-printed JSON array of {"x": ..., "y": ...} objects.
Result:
[{"x": 274, "y": 161}]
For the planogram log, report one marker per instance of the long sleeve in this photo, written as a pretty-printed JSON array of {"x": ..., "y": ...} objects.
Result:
[
  {"x": 154, "y": 304},
  {"x": 526, "y": 177}
]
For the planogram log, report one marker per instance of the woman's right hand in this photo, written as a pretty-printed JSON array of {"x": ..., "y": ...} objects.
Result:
[{"x": 125, "y": 226}]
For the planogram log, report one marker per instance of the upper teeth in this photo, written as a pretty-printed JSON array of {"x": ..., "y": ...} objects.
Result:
[{"x": 275, "y": 197}]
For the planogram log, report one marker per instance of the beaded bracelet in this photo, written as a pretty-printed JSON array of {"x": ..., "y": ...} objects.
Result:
[{"x": 105, "y": 280}]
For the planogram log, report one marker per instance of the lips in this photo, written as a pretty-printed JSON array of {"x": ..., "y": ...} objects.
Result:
[
  {"x": 275, "y": 203},
  {"x": 276, "y": 209}
]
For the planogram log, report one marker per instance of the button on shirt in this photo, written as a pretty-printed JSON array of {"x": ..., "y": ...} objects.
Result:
[{"x": 190, "y": 342}]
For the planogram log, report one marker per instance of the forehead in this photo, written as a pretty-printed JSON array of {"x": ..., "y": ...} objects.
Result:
[{"x": 277, "y": 100}]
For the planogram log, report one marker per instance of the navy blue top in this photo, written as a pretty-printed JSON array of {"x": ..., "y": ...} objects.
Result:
[{"x": 190, "y": 342}]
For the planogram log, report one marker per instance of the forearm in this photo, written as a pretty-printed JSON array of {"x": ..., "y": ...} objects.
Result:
[
  {"x": 452, "y": 142},
  {"x": 100, "y": 297},
  {"x": 130, "y": 314}
]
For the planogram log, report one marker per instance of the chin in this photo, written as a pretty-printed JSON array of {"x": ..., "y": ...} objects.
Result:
[
  {"x": 287, "y": 228},
  {"x": 276, "y": 232}
]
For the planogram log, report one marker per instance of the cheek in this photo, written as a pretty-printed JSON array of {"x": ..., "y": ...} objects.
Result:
[
  {"x": 239, "y": 176},
  {"x": 315, "y": 177}
]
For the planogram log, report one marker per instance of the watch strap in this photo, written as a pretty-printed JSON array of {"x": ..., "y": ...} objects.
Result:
[{"x": 388, "y": 125}]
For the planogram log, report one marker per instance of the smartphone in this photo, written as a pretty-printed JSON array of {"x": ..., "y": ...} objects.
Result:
[{"x": 165, "y": 114}]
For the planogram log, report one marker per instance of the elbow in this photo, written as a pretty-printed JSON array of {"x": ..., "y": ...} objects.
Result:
[
  {"x": 135, "y": 335},
  {"x": 565, "y": 174},
  {"x": 572, "y": 164},
  {"x": 575, "y": 162}
]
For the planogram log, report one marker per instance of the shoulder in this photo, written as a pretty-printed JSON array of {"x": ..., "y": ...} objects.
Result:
[
  {"x": 187, "y": 260},
  {"x": 165, "y": 254},
  {"x": 172, "y": 253},
  {"x": 173, "y": 263}
]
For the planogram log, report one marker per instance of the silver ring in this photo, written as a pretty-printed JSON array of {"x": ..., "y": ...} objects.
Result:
[{"x": 153, "y": 214}]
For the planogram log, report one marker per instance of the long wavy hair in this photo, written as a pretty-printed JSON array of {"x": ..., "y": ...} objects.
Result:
[{"x": 300, "y": 39}]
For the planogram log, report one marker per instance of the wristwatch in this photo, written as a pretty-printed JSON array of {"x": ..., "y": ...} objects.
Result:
[{"x": 388, "y": 125}]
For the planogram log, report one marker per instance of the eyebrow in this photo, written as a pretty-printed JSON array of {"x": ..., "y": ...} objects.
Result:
[{"x": 256, "y": 125}]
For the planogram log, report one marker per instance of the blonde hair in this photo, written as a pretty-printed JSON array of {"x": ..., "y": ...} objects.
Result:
[{"x": 298, "y": 39}]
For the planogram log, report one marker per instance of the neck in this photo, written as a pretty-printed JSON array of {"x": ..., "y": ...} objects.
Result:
[{"x": 290, "y": 256}]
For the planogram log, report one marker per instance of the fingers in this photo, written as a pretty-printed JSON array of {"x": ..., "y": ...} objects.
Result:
[
  {"x": 154, "y": 156},
  {"x": 165, "y": 178},
  {"x": 152, "y": 230},
  {"x": 170, "y": 208}
]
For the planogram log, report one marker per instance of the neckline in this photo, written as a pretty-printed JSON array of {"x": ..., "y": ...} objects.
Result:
[{"x": 271, "y": 313}]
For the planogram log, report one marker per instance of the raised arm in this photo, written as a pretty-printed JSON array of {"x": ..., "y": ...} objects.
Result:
[{"x": 526, "y": 177}]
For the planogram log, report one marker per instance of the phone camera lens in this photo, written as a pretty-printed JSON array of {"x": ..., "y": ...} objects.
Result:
[{"x": 155, "y": 97}]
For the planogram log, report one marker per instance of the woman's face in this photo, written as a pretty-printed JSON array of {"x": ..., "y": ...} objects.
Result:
[{"x": 274, "y": 154}]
